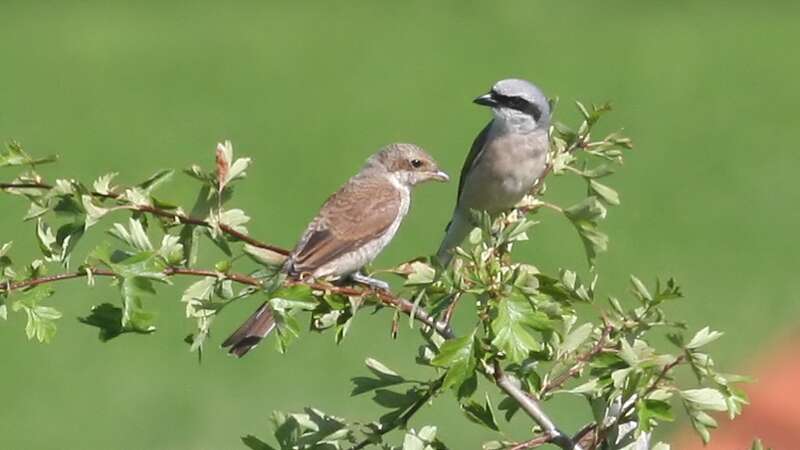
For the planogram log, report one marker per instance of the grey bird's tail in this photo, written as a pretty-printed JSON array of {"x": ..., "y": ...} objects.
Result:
[
  {"x": 251, "y": 332},
  {"x": 458, "y": 228}
]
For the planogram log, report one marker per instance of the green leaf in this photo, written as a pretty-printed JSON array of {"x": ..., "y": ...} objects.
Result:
[
  {"x": 385, "y": 377},
  {"x": 481, "y": 414},
  {"x": 106, "y": 317},
  {"x": 641, "y": 290},
  {"x": 576, "y": 338},
  {"x": 93, "y": 212},
  {"x": 46, "y": 238},
  {"x": 418, "y": 273},
  {"x": 134, "y": 315},
  {"x": 155, "y": 180},
  {"x": 297, "y": 296},
  {"x": 603, "y": 192},
  {"x": 171, "y": 250},
  {"x": 650, "y": 412},
  {"x": 41, "y": 319},
  {"x": 585, "y": 217},
  {"x": 588, "y": 210},
  {"x": 421, "y": 440},
  {"x": 14, "y": 155},
  {"x": 591, "y": 386},
  {"x": 514, "y": 317},
  {"x": 701, "y": 422},
  {"x": 703, "y": 337},
  {"x": 103, "y": 184},
  {"x": 226, "y": 169},
  {"x": 198, "y": 298},
  {"x": 135, "y": 236},
  {"x": 458, "y": 356},
  {"x": 758, "y": 445},
  {"x": 312, "y": 429},
  {"x": 379, "y": 369},
  {"x": 705, "y": 398},
  {"x": 498, "y": 445},
  {"x": 254, "y": 443},
  {"x": 509, "y": 406},
  {"x": 234, "y": 218},
  {"x": 189, "y": 239},
  {"x": 264, "y": 256},
  {"x": 287, "y": 328}
]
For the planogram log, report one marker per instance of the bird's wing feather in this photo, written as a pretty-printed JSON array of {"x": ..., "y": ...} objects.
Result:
[
  {"x": 359, "y": 212},
  {"x": 473, "y": 157}
]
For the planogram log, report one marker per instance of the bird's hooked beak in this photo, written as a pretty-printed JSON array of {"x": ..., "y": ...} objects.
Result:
[
  {"x": 485, "y": 100},
  {"x": 440, "y": 176}
]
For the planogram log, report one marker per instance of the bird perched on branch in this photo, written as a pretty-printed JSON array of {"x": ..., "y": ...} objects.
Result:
[
  {"x": 353, "y": 226},
  {"x": 506, "y": 159}
]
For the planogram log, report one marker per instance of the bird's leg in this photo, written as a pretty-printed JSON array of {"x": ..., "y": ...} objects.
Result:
[{"x": 359, "y": 277}]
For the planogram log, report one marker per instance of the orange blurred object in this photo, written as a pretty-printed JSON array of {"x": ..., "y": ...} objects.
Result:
[{"x": 773, "y": 414}]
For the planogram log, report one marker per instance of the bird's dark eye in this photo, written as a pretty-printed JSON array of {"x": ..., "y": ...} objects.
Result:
[{"x": 416, "y": 163}]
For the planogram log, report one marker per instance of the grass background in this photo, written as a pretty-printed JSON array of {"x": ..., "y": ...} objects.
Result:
[{"x": 708, "y": 90}]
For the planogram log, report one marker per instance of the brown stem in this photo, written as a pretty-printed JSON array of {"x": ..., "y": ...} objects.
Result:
[
  {"x": 31, "y": 185},
  {"x": 663, "y": 374},
  {"x": 580, "y": 362},
  {"x": 186, "y": 220},
  {"x": 598, "y": 436},
  {"x": 448, "y": 314},
  {"x": 538, "y": 441},
  {"x": 169, "y": 271},
  {"x": 511, "y": 386}
]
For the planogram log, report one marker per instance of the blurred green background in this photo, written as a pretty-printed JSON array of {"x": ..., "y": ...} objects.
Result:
[{"x": 708, "y": 90}]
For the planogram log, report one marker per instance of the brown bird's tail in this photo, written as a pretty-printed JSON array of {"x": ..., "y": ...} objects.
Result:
[{"x": 251, "y": 332}]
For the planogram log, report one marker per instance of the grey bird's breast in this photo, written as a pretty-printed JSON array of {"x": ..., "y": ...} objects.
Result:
[{"x": 506, "y": 170}]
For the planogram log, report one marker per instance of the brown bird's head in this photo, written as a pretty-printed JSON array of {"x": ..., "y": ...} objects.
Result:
[{"x": 407, "y": 164}]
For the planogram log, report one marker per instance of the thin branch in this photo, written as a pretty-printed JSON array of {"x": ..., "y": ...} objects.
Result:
[
  {"x": 451, "y": 308},
  {"x": 580, "y": 362},
  {"x": 511, "y": 386},
  {"x": 538, "y": 441},
  {"x": 169, "y": 271},
  {"x": 186, "y": 220},
  {"x": 388, "y": 298},
  {"x": 30, "y": 185},
  {"x": 578, "y": 143},
  {"x": 661, "y": 376},
  {"x": 590, "y": 436},
  {"x": 586, "y": 437}
]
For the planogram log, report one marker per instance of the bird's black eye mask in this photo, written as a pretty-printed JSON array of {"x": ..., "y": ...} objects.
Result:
[{"x": 518, "y": 103}]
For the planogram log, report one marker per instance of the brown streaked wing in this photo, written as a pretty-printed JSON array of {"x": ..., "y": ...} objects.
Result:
[{"x": 359, "y": 212}]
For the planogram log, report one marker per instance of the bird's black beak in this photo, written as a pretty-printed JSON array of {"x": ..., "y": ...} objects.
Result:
[{"x": 485, "y": 100}]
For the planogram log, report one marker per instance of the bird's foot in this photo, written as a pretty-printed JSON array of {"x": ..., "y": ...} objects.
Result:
[{"x": 369, "y": 281}]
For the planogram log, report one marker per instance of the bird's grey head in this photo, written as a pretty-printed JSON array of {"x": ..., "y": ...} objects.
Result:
[
  {"x": 406, "y": 164},
  {"x": 518, "y": 104}
]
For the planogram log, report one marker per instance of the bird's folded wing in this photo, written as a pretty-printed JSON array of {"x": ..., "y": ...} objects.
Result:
[
  {"x": 473, "y": 157},
  {"x": 361, "y": 211}
]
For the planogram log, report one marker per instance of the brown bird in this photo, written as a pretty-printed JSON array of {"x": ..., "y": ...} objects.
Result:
[{"x": 353, "y": 226}]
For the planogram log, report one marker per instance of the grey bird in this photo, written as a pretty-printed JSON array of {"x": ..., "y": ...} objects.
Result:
[
  {"x": 506, "y": 159},
  {"x": 353, "y": 226}
]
